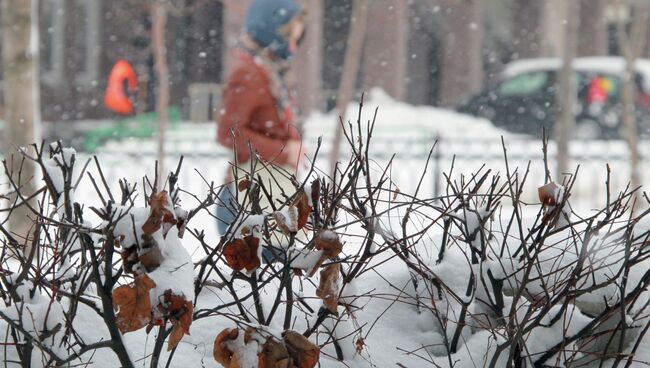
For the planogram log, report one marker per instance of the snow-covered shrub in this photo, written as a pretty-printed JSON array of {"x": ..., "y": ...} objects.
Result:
[
  {"x": 540, "y": 285},
  {"x": 332, "y": 270}
]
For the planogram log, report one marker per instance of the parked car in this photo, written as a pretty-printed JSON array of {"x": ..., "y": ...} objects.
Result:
[{"x": 524, "y": 101}]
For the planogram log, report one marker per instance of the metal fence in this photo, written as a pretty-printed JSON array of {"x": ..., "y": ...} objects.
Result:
[{"x": 453, "y": 157}]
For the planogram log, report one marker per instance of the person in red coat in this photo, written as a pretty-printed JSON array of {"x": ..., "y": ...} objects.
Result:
[
  {"x": 257, "y": 107},
  {"x": 121, "y": 82}
]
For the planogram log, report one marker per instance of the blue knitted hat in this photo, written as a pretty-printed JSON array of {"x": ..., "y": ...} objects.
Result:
[{"x": 264, "y": 23}]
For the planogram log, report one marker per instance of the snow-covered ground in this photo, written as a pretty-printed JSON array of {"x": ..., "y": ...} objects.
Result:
[
  {"x": 400, "y": 336},
  {"x": 410, "y": 132}
]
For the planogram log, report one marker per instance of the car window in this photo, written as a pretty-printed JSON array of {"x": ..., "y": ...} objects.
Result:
[{"x": 523, "y": 85}]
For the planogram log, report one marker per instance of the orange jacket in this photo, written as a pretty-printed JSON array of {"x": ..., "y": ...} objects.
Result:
[
  {"x": 115, "y": 98},
  {"x": 253, "y": 113}
]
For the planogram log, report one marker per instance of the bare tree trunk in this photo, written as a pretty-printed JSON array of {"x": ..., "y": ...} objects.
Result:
[
  {"x": 631, "y": 46},
  {"x": 350, "y": 70},
  {"x": 553, "y": 27},
  {"x": 566, "y": 96},
  {"x": 22, "y": 98},
  {"x": 159, "y": 22}
]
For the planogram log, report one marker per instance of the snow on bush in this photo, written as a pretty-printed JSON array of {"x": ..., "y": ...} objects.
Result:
[{"x": 342, "y": 270}]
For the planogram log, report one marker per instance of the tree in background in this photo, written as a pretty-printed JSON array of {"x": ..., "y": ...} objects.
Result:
[
  {"x": 566, "y": 96},
  {"x": 159, "y": 22},
  {"x": 160, "y": 9},
  {"x": 631, "y": 43},
  {"x": 22, "y": 103}
]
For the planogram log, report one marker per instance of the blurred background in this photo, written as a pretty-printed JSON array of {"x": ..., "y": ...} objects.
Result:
[{"x": 430, "y": 52}]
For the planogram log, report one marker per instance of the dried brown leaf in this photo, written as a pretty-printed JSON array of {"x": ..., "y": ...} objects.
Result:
[
  {"x": 133, "y": 304},
  {"x": 360, "y": 344},
  {"x": 151, "y": 258},
  {"x": 328, "y": 241},
  {"x": 175, "y": 336},
  {"x": 328, "y": 288},
  {"x": 243, "y": 185},
  {"x": 129, "y": 259},
  {"x": 274, "y": 355},
  {"x": 315, "y": 193},
  {"x": 286, "y": 224},
  {"x": 160, "y": 213},
  {"x": 301, "y": 203},
  {"x": 242, "y": 253},
  {"x": 304, "y": 353},
  {"x": 176, "y": 308},
  {"x": 220, "y": 352},
  {"x": 547, "y": 194}
]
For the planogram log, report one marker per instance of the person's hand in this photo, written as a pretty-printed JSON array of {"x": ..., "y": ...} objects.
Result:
[{"x": 296, "y": 152}]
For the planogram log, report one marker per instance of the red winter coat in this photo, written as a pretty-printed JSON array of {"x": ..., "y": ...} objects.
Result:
[
  {"x": 250, "y": 109},
  {"x": 115, "y": 97}
]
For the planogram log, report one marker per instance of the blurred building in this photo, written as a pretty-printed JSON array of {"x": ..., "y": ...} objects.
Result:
[{"x": 433, "y": 52}]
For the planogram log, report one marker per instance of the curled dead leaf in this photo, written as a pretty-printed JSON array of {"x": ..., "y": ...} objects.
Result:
[
  {"x": 246, "y": 230},
  {"x": 243, "y": 185},
  {"x": 396, "y": 193},
  {"x": 132, "y": 304},
  {"x": 328, "y": 288},
  {"x": 360, "y": 344},
  {"x": 274, "y": 355},
  {"x": 161, "y": 213},
  {"x": 220, "y": 351},
  {"x": 303, "y": 352},
  {"x": 242, "y": 253},
  {"x": 175, "y": 336},
  {"x": 315, "y": 193},
  {"x": 328, "y": 241},
  {"x": 551, "y": 195},
  {"x": 129, "y": 259},
  {"x": 150, "y": 257},
  {"x": 176, "y": 308},
  {"x": 181, "y": 228},
  {"x": 301, "y": 203},
  {"x": 287, "y": 220},
  {"x": 548, "y": 194}
]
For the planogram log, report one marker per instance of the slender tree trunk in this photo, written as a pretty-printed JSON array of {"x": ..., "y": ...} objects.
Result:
[
  {"x": 22, "y": 99},
  {"x": 351, "y": 63},
  {"x": 159, "y": 22},
  {"x": 553, "y": 27},
  {"x": 631, "y": 46},
  {"x": 566, "y": 96}
]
